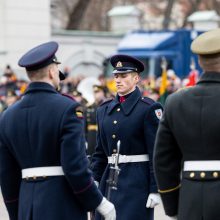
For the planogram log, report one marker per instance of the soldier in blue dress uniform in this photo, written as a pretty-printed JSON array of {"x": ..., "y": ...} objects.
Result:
[
  {"x": 43, "y": 165},
  {"x": 132, "y": 120}
]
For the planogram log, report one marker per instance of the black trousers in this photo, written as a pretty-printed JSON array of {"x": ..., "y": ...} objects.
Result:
[{"x": 199, "y": 200}]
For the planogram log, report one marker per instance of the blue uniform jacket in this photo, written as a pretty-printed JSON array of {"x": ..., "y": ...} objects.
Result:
[
  {"x": 133, "y": 122},
  {"x": 44, "y": 129}
]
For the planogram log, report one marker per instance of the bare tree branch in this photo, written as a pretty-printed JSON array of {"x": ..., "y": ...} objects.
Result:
[
  {"x": 216, "y": 6},
  {"x": 92, "y": 14},
  {"x": 95, "y": 17},
  {"x": 67, "y": 6},
  {"x": 77, "y": 14},
  {"x": 167, "y": 14},
  {"x": 195, "y": 5}
]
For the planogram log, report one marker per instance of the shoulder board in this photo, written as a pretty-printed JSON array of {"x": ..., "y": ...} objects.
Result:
[
  {"x": 184, "y": 88},
  {"x": 68, "y": 96},
  {"x": 147, "y": 100},
  {"x": 106, "y": 101}
]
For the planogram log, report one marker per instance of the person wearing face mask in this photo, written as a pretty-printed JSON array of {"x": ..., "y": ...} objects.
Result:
[
  {"x": 132, "y": 120},
  {"x": 43, "y": 164}
]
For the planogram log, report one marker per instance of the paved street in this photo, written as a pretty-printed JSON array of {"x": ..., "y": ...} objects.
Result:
[
  {"x": 159, "y": 213},
  {"x": 3, "y": 213}
]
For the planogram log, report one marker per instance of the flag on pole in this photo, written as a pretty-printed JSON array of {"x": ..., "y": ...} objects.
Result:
[
  {"x": 163, "y": 84},
  {"x": 193, "y": 75},
  {"x": 193, "y": 78}
]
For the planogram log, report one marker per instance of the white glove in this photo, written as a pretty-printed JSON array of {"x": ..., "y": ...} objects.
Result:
[
  {"x": 153, "y": 200},
  {"x": 173, "y": 218},
  {"x": 96, "y": 183},
  {"x": 107, "y": 209}
]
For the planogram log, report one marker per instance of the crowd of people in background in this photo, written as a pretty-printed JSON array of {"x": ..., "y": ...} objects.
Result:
[{"x": 12, "y": 88}]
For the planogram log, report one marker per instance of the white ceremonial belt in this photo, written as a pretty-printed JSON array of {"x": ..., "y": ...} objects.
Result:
[
  {"x": 42, "y": 171},
  {"x": 128, "y": 158},
  {"x": 203, "y": 165}
]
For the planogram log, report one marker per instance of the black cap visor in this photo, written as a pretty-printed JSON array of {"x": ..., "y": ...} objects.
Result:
[{"x": 54, "y": 60}]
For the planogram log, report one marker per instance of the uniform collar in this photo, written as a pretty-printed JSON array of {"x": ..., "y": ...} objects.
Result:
[
  {"x": 210, "y": 77},
  {"x": 128, "y": 105},
  {"x": 40, "y": 86}
]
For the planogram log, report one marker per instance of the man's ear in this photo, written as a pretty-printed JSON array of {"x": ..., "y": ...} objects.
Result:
[
  {"x": 51, "y": 73},
  {"x": 200, "y": 63},
  {"x": 137, "y": 77}
]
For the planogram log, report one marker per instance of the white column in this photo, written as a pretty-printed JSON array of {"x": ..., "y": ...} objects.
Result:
[
  {"x": 2, "y": 31},
  {"x": 26, "y": 24}
]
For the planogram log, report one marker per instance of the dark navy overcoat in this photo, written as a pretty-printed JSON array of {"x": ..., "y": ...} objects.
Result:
[
  {"x": 133, "y": 122},
  {"x": 44, "y": 129}
]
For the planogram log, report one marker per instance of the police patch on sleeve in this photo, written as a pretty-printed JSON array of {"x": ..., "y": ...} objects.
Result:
[{"x": 159, "y": 113}]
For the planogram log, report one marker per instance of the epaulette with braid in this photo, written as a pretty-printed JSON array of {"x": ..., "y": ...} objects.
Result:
[
  {"x": 106, "y": 101},
  {"x": 147, "y": 100}
]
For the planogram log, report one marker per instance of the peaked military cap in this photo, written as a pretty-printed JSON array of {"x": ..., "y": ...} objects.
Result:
[
  {"x": 11, "y": 93},
  {"x": 41, "y": 56},
  {"x": 207, "y": 43},
  {"x": 125, "y": 64},
  {"x": 97, "y": 88},
  {"x": 76, "y": 93}
]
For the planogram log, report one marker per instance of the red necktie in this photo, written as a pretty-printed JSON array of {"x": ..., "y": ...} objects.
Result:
[{"x": 121, "y": 99}]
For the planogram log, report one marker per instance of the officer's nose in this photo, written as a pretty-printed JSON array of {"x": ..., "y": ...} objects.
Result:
[{"x": 118, "y": 80}]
